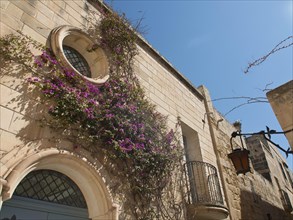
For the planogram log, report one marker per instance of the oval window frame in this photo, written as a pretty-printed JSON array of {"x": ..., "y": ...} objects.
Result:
[{"x": 81, "y": 42}]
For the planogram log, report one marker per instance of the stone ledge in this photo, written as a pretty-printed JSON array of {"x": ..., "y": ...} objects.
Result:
[{"x": 207, "y": 212}]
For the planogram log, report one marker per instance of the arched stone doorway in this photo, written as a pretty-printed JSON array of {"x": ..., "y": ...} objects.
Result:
[{"x": 78, "y": 169}]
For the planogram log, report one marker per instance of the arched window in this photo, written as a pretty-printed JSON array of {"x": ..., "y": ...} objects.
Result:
[{"x": 51, "y": 186}]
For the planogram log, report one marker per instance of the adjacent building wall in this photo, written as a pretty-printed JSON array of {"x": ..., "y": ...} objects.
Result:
[
  {"x": 281, "y": 100},
  {"x": 249, "y": 196}
]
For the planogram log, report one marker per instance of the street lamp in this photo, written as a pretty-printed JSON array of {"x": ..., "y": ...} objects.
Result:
[{"x": 239, "y": 155}]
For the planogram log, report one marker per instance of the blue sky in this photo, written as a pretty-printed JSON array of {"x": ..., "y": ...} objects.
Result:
[{"x": 211, "y": 43}]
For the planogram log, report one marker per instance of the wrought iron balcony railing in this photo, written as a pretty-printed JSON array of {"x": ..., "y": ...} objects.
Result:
[{"x": 203, "y": 184}]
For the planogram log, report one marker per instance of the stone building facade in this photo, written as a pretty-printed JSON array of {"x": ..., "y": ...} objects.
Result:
[
  {"x": 250, "y": 196},
  {"x": 280, "y": 99},
  {"x": 27, "y": 149}
]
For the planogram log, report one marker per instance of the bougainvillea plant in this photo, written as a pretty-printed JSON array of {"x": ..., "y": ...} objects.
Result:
[{"x": 114, "y": 119}]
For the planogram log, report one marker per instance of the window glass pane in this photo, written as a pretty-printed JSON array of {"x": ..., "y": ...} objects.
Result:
[
  {"x": 51, "y": 186},
  {"x": 77, "y": 60}
]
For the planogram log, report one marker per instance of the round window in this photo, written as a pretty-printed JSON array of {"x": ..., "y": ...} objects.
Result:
[{"x": 73, "y": 48}]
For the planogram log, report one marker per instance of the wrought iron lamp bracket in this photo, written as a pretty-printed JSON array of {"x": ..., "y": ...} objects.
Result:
[{"x": 267, "y": 135}]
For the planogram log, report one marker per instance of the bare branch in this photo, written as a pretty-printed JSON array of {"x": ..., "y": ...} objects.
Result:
[
  {"x": 274, "y": 50},
  {"x": 249, "y": 100},
  {"x": 266, "y": 88},
  {"x": 138, "y": 27},
  {"x": 242, "y": 97},
  {"x": 247, "y": 103}
]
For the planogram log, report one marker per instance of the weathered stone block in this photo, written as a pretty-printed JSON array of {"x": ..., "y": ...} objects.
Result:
[
  {"x": 10, "y": 21},
  {"x": 14, "y": 11},
  {"x": 72, "y": 20},
  {"x": 6, "y": 116},
  {"x": 4, "y": 4},
  {"x": 16, "y": 101},
  {"x": 57, "y": 6},
  {"x": 35, "y": 35},
  {"x": 24, "y": 6},
  {"x": 78, "y": 6},
  {"x": 34, "y": 24},
  {"x": 60, "y": 20},
  {"x": 44, "y": 9},
  {"x": 75, "y": 11},
  {"x": 8, "y": 97},
  {"x": 45, "y": 20},
  {"x": 9, "y": 141},
  {"x": 6, "y": 30},
  {"x": 18, "y": 122}
]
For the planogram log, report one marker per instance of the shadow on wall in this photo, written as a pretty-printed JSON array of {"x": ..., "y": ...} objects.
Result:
[
  {"x": 254, "y": 208},
  {"x": 29, "y": 126},
  {"x": 23, "y": 100}
]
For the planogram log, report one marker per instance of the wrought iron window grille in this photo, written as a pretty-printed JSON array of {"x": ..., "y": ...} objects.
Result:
[
  {"x": 51, "y": 186},
  {"x": 77, "y": 61}
]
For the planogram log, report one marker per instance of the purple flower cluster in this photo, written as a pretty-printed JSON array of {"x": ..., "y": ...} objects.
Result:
[
  {"x": 116, "y": 114},
  {"x": 129, "y": 118},
  {"x": 74, "y": 98}
]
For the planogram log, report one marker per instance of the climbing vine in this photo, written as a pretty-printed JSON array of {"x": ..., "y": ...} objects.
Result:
[{"x": 114, "y": 120}]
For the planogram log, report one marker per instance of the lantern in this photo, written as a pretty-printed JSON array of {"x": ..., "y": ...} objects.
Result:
[
  {"x": 240, "y": 160},
  {"x": 239, "y": 156}
]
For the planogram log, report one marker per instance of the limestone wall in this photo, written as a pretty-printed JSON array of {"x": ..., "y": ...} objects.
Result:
[
  {"x": 22, "y": 137},
  {"x": 19, "y": 108},
  {"x": 38, "y": 18},
  {"x": 247, "y": 197}
]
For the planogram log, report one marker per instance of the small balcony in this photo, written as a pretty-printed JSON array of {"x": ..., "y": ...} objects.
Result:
[{"x": 204, "y": 197}]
